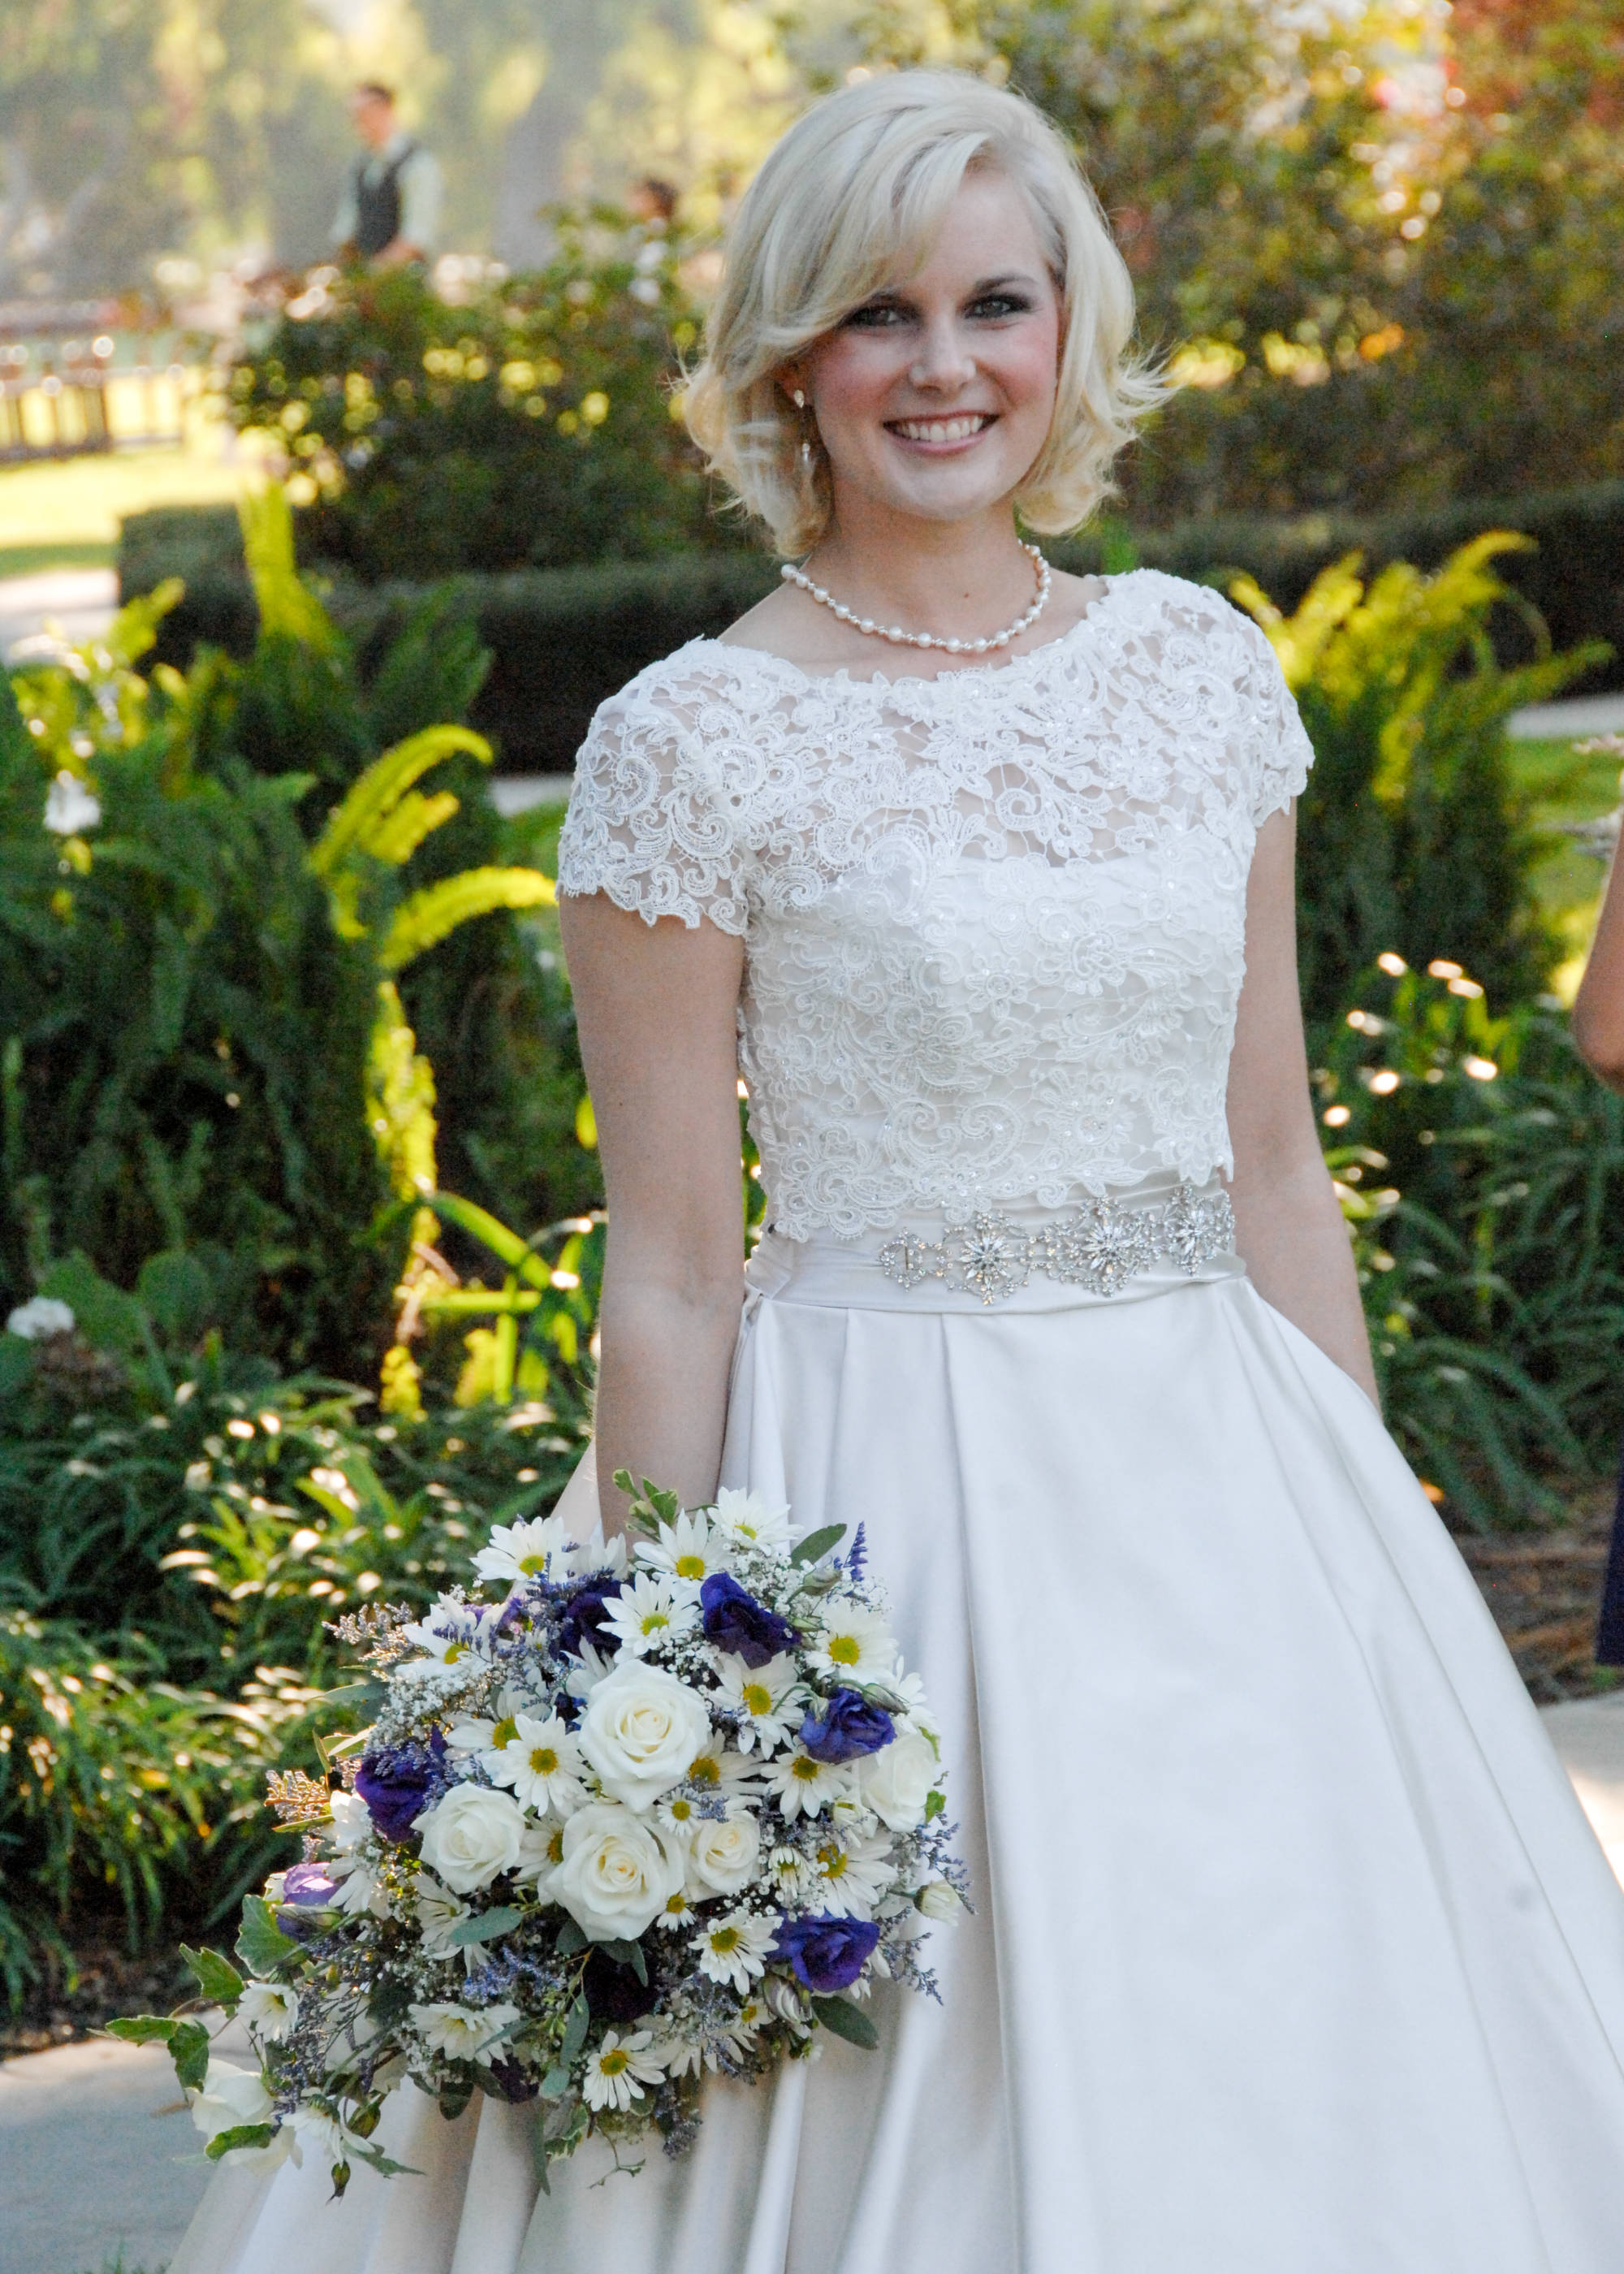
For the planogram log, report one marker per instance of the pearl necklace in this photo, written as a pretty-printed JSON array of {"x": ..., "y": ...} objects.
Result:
[{"x": 901, "y": 638}]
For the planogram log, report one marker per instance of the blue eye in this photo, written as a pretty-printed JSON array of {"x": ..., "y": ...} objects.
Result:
[{"x": 876, "y": 316}]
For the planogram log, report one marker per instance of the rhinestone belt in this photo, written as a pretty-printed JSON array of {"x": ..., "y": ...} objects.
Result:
[{"x": 1100, "y": 1247}]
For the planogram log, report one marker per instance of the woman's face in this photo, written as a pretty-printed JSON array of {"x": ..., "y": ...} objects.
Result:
[{"x": 934, "y": 397}]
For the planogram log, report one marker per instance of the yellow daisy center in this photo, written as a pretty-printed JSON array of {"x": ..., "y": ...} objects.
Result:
[
  {"x": 722, "y": 1939},
  {"x": 543, "y": 1760},
  {"x": 506, "y": 1730},
  {"x": 832, "y": 1860},
  {"x": 613, "y": 2063},
  {"x": 690, "y": 1567},
  {"x": 846, "y": 1650},
  {"x": 706, "y": 1770},
  {"x": 555, "y": 1847},
  {"x": 757, "y": 1697},
  {"x": 651, "y": 1622},
  {"x": 805, "y": 1768},
  {"x": 531, "y": 1565},
  {"x": 676, "y": 1904}
]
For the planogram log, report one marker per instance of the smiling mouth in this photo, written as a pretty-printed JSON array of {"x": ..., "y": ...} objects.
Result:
[{"x": 963, "y": 428}]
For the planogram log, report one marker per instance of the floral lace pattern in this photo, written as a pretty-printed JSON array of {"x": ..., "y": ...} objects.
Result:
[{"x": 993, "y": 921}]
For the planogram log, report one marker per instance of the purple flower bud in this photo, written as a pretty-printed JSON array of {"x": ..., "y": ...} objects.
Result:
[
  {"x": 824, "y": 1954},
  {"x": 586, "y": 1619},
  {"x": 735, "y": 1621},
  {"x": 306, "y": 1887},
  {"x": 847, "y": 1727}
]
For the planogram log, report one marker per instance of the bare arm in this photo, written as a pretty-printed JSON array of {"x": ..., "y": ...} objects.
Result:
[
  {"x": 1598, "y": 1009},
  {"x": 1289, "y": 1227},
  {"x": 655, "y": 1005}
]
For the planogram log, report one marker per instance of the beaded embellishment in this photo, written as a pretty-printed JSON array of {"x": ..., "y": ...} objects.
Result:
[{"x": 1100, "y": 1247}]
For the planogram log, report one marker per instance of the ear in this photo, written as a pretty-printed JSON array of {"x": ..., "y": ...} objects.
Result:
[{"x": 792, "y": 380}]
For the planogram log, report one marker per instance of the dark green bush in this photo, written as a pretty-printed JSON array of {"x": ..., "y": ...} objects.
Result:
[{"x": 531, "y": 423}]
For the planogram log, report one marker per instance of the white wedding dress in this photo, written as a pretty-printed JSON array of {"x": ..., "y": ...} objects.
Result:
[{"x": 1292, "y": 1952}]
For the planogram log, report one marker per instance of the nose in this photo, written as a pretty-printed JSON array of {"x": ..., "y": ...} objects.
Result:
[{"x": 943, "y": 364}]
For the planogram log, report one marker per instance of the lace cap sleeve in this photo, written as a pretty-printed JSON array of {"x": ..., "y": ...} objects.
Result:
[
  {"x": 1279, "y": 751},
  {"x": 648, "y": 823}
]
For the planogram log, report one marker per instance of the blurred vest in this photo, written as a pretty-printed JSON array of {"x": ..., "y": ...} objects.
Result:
[{"x": 378, "y": 203}]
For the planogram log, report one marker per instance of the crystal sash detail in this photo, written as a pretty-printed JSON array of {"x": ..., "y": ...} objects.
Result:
[{"x": 1101, "y": 1246}]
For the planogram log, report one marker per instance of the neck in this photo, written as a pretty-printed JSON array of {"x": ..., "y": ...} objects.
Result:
[{"x": 960, "y": 579}]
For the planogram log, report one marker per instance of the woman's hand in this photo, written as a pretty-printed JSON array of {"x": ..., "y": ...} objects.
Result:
[
  {"x": 656, "y": 1006},
  {"x": 1289, "y": 1228}
]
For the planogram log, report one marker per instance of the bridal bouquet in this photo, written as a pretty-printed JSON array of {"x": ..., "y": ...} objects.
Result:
[{"x": 620, "y": 1820}]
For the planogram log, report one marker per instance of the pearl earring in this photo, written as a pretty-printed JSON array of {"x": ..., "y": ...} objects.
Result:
[{"x": 799, "y": 399}]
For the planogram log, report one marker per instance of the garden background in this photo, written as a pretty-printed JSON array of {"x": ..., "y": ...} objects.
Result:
[{"x": 300, "y": 1202}]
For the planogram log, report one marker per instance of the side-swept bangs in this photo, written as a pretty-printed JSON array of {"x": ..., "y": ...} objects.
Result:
[{"x": 851, "y": 198}]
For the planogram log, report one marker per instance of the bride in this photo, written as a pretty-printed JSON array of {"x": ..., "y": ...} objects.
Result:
[{"x": 1291, "y": 1952}]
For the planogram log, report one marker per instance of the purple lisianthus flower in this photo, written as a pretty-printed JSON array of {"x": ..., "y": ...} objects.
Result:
[
  {"x": 847, "y": 1727},
  {"x": 512, "y": 2082},
  {"x": 395, "y": 1782},
  {"x": 306, "y": 1887},
  {"x": 735, "y": 1621},
  {"x": 826, "y": 1954},
  {"x": 586, "y": 1619}
]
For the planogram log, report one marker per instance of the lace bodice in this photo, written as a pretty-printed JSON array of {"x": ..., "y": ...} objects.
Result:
[{"x": 993, "y": 921}]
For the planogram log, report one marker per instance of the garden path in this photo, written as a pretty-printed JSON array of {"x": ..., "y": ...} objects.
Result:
[
  {"x": 95, "y": 2151},
  {"x": 80, "y": 600}
]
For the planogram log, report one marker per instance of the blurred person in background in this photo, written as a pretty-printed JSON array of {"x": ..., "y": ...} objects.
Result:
[{"x": 388, "y": 216}]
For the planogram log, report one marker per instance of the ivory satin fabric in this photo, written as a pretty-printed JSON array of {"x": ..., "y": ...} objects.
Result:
[{"x": 1293, "y": 1953}]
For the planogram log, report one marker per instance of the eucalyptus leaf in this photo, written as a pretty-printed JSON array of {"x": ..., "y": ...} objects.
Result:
[
  {"x": 574, "y": 2030},
  {"x": 569, "y": 1939},
  {"x": 487, "y": 1925},
  {"x": 817, "y": 1543},
  {"x": 555, "y": 2084},
  {"x": 845, "y": 2020}
]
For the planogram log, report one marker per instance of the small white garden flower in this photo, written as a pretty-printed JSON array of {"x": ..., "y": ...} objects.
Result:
[
  {"x": 747, "y": 1516},
  {"x": 733, "y": 1948},
  {"x": 449, "y": 1632},
  {"x": 587, "y": 1669},
  {"x": 523, "y": 1551},
  {"x": 541, "y": 1849},
  {"x": 40, "y": 1318},
  {"x": 855, "y": 1644},
  {"x": 618, "y": 2071},
  {"x": 325, "y": 2134},
  {"x": 769, "y": 1699},
  {"x": 735, "y": 2038},
  {"x": 852, "y": 1875},
  {"x": 598, "y": 1555},
  {"x": 70, "y": 807},
  {"x": 803, "y": 1786},
  {"x": 359, "y": 1885},
  {"x": 269, "y": 2008},
  {"x": 543, "y": 1765},
  {"x": 675, "y": 1911},
  {"x": 439, "y": 1911},
  {"x": 731, "y": 1776},
  {"x": 461, "y": 2032},
  {"x": 790, "y": 1874},
  {"x": 230, "y": 2097},
  {"x": 648, "y": 1611},
  {"x": 687, "y": 1552},
  {"x": 939, "y": 1899}
]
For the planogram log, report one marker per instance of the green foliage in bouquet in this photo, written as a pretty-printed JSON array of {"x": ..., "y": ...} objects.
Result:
[
  {"x": 531, "y": 423},
  {"x": 1412, "y": 837}
]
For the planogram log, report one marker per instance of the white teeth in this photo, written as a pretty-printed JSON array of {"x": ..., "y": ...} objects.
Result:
[{"x": 941, "y": 430}]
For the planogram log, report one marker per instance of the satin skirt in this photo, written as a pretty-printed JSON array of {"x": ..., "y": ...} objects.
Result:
[{"x": 1292, "y": 1950}]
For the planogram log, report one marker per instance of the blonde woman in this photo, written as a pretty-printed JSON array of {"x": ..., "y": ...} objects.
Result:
[{"x": 1291, "y": 1951}]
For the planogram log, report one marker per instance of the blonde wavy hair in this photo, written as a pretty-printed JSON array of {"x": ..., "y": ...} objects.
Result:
[{"x": 850, "y": 199}]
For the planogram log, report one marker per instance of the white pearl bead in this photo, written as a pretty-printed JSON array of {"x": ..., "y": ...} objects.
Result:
[
  {"x": 955, "y": 647},
  {"x": 866, "y": 624},
  {"x": 982, "y": 646}
]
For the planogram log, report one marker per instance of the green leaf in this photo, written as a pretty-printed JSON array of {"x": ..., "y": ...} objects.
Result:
[
  {"x": 570, "y": 1940},
  {"x": 574, "y": 2032},
  {"x": 16, "y": 1363},
  {"x": 487, "y": 1925},
  {"x": 261, "y": 1945},
  {"x": 189, "y": 2051},
  {"x": 377, "y": 792},
  {"x": 935, "y": 1802},
  {"x": 555, "y": 2084},
  {"x": 454, "y": 2098},
  {"x": 240, "y": 2136},
  {"x": 627, "y": 1953},
  {"x": 218, "y": 1980},
  {"x": 817, "y": 1543},
  {"x": 846, "y": 2021},
  {"x": 426, "y": 916},
  {"x": 108, "y": 1319},
  {"x": 143, "y": 2028},
  {"x": 492, "y": 1232}
]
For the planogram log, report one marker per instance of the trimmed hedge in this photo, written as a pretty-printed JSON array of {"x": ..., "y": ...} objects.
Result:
[{"x": 563, "y": 639}]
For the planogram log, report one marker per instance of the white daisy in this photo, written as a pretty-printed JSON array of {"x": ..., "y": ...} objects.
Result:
[
  {"x": 687, "y": 1551},
  {"x": 733, "y": 1948},
  {"x": 803, "y": 1786},
  {"x": 854, "y": 1644},
  {"x": 648, "y": 1611},
  {"x": 678, "y": 2056},
  {"x": 598, "y": 1555},
  {"x": 675, "y": 1911},
  {"x": 269, "y": 2008},
  {"x": 543, "y": 1765},
  {"x": 769, "y": 1699},
  {"x": 852, "y": 1875},
  {"x": 541, "y": 1848},
  {"x": 728, "y": 1774},
  {"x": 790, "y": 1875},
  {"x": 620, "y": 2068},
  {"x": 449, "y": 1632},
  {"x": 587, "y": 1669},
  {"x": 461, "y": 2032},
  {"x": 438, "y": 1910},
  {"x": 489, "y": 1742},
  {"x": 359, "y": 1887},
  {"x": 523, "y": 1551},
  {"x": 747, "y": 1516},
  {"x": 736, "y": 2037}
]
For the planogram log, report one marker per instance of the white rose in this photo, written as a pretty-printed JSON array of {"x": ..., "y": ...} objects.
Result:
[
  {"x": 471, "y": 1835},
  {"x": 230, "y": 2097},
  {"x": 618, "y": 1871},
  {"x": 722, "y": 1856},
  {"x": 641, "y": 1732},
  {"x": 896, "y": 1780}
]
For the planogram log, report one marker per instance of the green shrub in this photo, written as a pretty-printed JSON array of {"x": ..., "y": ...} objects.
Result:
[
  {"x": 531, "y": 424},
  {"x": 561, "y": 641},
  {"x": 1406, "y": 706}
]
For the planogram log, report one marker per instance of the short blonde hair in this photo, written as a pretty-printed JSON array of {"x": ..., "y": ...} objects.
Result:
[{"x": 849, "y": 200}]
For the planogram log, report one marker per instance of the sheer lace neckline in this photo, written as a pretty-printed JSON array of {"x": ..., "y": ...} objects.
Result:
[{"x": 949, "y": 673}]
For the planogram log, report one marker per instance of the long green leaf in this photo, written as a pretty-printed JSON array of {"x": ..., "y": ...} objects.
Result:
[
  {"x": 374, "y": 798},
  {"x": 426, "y": 918}
]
